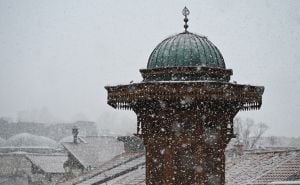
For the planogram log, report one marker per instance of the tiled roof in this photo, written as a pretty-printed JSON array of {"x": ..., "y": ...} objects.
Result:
[
  {"x": 250, "y": 168},
  {"x": 94, "y": 151},
  {"x": 281, "y": 172},
  {"x": 48, "y": 163},
  {"x": 113, "y": 163},
  {"x": 246, "y": 168},
  {"x": 116, "y": 172},
  {"x": 136, "y": 177}
]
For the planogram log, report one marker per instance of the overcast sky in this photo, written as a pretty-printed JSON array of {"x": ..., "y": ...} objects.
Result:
[{"x": 57, "y": 56}]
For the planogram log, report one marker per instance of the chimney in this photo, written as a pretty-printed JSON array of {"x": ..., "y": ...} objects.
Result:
[
  {"x": 75, "y": 133},
  {"x": 132, "y": 143}
]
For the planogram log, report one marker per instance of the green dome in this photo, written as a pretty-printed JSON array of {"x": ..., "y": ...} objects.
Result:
[{"x": 186, "y": 50}]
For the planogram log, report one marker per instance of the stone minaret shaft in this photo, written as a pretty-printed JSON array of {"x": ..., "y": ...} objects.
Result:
[{"x": 186, "y": 144}]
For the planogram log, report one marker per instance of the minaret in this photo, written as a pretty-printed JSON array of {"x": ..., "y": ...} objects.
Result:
[{"x": 185, "y": 107}]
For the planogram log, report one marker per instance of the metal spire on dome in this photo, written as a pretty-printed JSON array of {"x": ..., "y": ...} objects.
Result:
[{"x": 185, "y": 13}]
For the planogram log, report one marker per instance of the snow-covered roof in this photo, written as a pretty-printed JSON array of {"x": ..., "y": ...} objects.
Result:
[
  {"x": 281, "y": 172},
  {"x": 136, "y": 177},
  {"x": 93, "y": 151},
  {"x": 67, "y": 139},
  {"x": 29, "y": 140},
  {"x": 248, "y": 169},
  {"x": 48, "y": 163},
  {"x": 119, "y": 160},
  {"x": 116, "y": 172}
]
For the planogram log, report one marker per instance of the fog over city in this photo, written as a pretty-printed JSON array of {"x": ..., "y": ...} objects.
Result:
[{"x": 57, "y": 56}]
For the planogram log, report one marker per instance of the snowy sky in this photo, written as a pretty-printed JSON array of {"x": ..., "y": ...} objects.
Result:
[{"x": 57, "y": 56}]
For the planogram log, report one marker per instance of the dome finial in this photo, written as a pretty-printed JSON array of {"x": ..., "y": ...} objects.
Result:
[{"x": 185, "y": 13}]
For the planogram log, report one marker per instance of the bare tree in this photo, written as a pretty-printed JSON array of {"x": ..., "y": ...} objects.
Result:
[
  {"x": 260, "y": 129},
  {"x": 249, "y": 133}
]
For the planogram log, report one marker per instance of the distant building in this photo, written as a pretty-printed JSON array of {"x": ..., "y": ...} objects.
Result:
[
  {"x": 87, "y": 153},
  {"x": 14, "y": 169},
  {"x": 24, "y": 156},
  {"x": 131, "y": 159},
  {"x": 46, "y": 169},
  {"x": 33, "y": 169}
]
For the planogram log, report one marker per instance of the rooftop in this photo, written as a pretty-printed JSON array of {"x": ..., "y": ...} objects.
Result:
[
  {"x": 48, "y": 163},
  {"x": 248, "y": 169},
  {"x": 119, "y": 160},
  {"x": 93, "y": 151}
]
